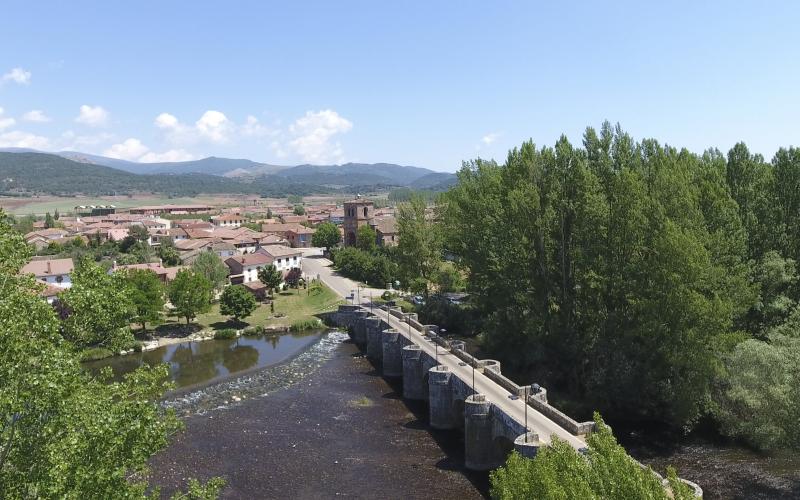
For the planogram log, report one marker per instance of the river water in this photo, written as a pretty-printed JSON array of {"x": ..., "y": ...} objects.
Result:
[{"x": 307, "y": 416}]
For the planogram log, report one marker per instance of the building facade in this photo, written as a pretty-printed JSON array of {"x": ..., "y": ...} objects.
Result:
[{"x": 358, "y": 212}]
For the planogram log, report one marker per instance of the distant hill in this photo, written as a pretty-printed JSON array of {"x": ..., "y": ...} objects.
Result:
[{"x": 70, "y": 172}]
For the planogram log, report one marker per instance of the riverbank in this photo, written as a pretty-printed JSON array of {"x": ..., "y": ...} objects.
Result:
[{"x": 341, "y": 430}]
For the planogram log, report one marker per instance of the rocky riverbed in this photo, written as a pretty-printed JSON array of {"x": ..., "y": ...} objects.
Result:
[{"x": 322, "y": 425}]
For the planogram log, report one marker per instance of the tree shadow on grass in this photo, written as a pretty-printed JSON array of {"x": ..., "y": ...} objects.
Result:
[
  {"x": 175, "y": 330},
  {"x": 236, "y": 325}
]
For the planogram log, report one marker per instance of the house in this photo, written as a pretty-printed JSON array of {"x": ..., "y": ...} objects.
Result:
[
  {"x": 43, "y": 237},
  {"x": 117, "y": 233},
  {"x": 170, "y": 209},
  {"x": 165, "y": 274},
  {"x": 386, "y": 231},
  {"x": 228, "y": 220},
  {"x": 294, "y": 219},
  {"x": 55, "y": 272},
  {"x": 223, "y": 249},
  {"x": 49, "y": 292},
  {"x": 283, "y": 257},
  {"x": 244, "y": 268},
  {"x": 300, "y": 237},
  {"x": 257, "y": 288}
]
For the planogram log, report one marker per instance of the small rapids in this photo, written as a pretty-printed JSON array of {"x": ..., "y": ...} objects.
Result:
[{"x": 231, "y": 392}]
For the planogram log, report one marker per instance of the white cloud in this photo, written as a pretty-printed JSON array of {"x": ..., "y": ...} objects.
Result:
[
  {"x": 36, "y": 115},
  {"x": 313, "y": 133},
  {"x": 74, "y": 142},
  {"x": 94, "y": 116},
  {"x": 7, "y": 121},
  {"x": 133, "y": 149},
  {"x": 215, "y": 126},
  {"x": 490, "y": 138},
  {"x": 130, "y": 149},
  {"x": 171, "y": 155},
  {"x": 17, "y": 75},
  {"x": 19, "y": 139},
  {"x": 253, "y": 128},
  {"x": 166, "y": 121}
]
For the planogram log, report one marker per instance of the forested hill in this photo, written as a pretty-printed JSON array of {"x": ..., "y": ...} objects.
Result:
[
  {"x": 34, "y": 172},
  {"x": 44, "y": 173}
]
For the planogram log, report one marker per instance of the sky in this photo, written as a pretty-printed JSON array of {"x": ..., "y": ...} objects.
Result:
[{"x": 428, "y": 83}]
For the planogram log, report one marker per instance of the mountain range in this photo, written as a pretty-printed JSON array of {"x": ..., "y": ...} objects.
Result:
[{"x": 70, "y": 172}]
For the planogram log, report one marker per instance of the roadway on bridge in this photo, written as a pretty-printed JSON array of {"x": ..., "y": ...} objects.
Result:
[{"x": 315, "y": 265}]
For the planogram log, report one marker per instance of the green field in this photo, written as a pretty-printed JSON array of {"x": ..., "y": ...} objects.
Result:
[
  {"x": 42, "y": 205},
  {"x": 290, "y": 307}
]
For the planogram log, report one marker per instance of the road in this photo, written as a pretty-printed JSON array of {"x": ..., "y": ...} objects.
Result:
[{"x": 314, "y": 264}]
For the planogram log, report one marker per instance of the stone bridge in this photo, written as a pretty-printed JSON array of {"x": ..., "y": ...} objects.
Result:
[{"x": 462, "y": 392}]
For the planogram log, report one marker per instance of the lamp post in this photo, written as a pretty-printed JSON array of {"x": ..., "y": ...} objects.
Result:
[{"x": 526, "y": 412}]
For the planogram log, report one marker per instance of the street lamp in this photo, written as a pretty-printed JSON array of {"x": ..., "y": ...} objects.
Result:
[{"x": 527, "y": 387}]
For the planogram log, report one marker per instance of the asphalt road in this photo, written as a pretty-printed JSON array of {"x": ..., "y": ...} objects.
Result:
[{"x": 314, "y": 264}]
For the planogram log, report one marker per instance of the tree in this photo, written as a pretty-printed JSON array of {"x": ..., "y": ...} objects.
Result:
[
  {"x": 293, "y": 277},
  {"x": 190, "y": 294},
  {"x": 211, "y": 267},
  {"x": 419, "y": 251},
  {"x": 147, "y": 293},
  {"x": 49, "y": 222},
  {"x": 138, "y": 232},
  {"x": 560, "y": 472},
  {"x": 169, "y": 255},
  {"x": 327, "y": 235},
  {"x": 366, "y": 238},
  {"x": 64, "y": 433},
  {"x": 271, "y": 277},
  {"x": 99, "y": 308},
  {"x": 758, "y": 398},
  {"x": 56, "y": 215},
  {"x": 237, "y": 302},
  {"x": 617, "y": 272},
  {"x": 299, "y": 210}
]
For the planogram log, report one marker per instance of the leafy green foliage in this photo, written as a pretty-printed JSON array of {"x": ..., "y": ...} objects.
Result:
[
  {"x": 99, "y": 308},
  {"x": 375, "y": 269},
  {"x": 419, "y": 251},
  {"x": 210, "y": 266},
  {"x": 615, "y": 273},
  {"x": 759, "y": 398},
  {"x": 327, "y": 236},
  {"x": 366, "y": 239},
  {"x": 64, "y": 434},
  {"x": 299, "y": 210},
  {"x": 559, "y": 472},
  {"x": 271, "y": 277},
  {"x": 237, "y": 302},
  {"x": 225, "y": 334},
  {"x": 147, "y": 294},
  {"x": 190, "y": 294}
]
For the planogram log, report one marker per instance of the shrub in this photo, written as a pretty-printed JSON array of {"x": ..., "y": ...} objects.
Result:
[
  {"x": 225, "y": 333},
  {"x": 306, "y": 324},
  {"x": 96, "y": 353},
  {"x": 253, "y": 330}
]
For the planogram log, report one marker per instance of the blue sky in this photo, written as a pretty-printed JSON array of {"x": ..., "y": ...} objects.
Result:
[{"x": 417, "y": 83}]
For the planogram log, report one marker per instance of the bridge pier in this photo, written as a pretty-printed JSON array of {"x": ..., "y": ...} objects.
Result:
[
  {"x": 440, "y": 398},
  {"x": 527, "y": 444},
  {"x": 413, "y": 380},
  {"x": 478, "y": 433},
  {"x": 359, "y": 327},
  {"x": 392, "y": 353},
  {"x": 374, "y": 344}
]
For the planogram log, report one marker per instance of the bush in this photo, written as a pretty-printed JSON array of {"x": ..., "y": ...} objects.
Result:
[
  {"x": 375, "y": 269},
  {"x": 252, "y": 331},
  {"x": 457, "y": 319},
  {"x": 96, "y": 353},
  {"x": 387, "y": 295},
  {"x": 225, "y": 334},
  {"x": 306, "y": 324}
]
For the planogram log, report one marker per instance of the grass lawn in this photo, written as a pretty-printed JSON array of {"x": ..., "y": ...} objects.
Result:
[{"x": 290, "y": 307}]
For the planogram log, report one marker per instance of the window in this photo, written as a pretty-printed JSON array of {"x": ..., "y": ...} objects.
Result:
[{"x": 365, "y": 211}]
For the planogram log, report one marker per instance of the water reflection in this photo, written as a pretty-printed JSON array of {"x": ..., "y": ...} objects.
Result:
[{"x": 192, "y": 363}]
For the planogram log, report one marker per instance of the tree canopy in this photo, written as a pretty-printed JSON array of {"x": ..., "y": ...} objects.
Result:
[
  {"x": 190, "y": 294},
  {"x": 237, "y": 302},
  {"x": 326, "y": 235}
]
